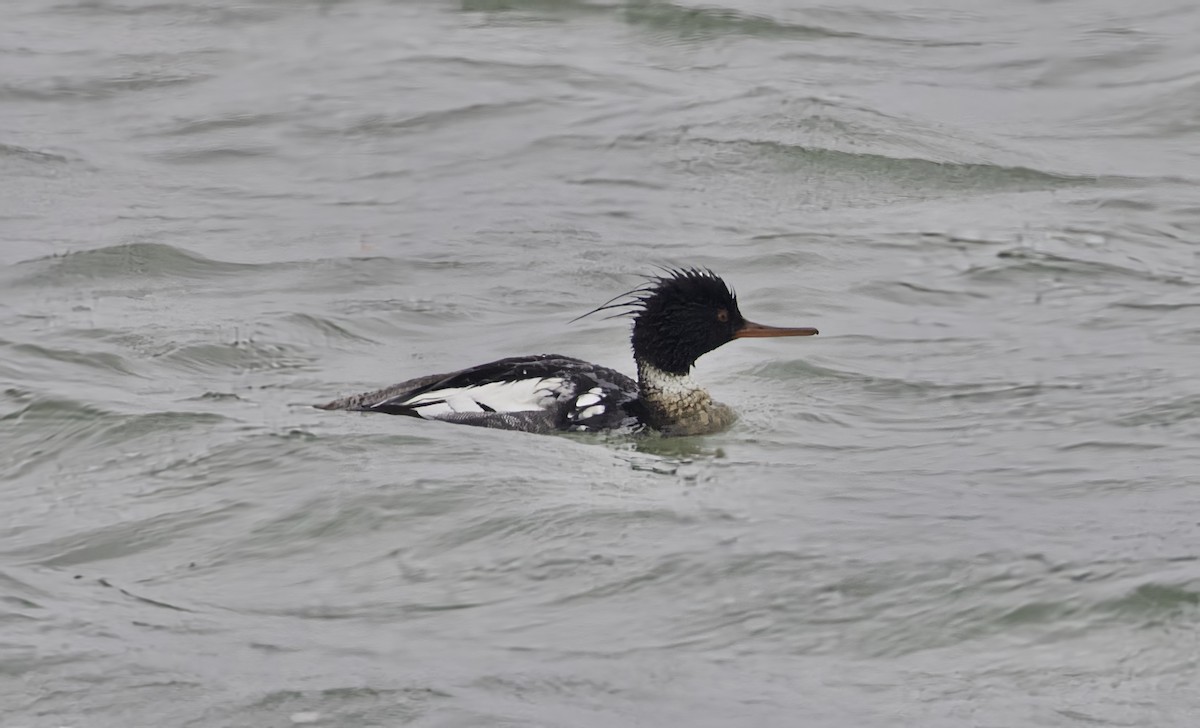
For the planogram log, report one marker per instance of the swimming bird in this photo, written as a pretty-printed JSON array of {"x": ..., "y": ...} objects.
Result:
[{"x": 677, "y": 317}]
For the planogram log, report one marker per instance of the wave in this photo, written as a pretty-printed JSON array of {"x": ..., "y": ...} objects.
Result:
[{"x": 128, "y": 261}]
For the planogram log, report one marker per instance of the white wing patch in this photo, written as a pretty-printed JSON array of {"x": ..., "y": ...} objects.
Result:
[
  {"x": 588, "y": 405},
  {"x": 520, "y": 395},
  {"x": 596, "y": 409},
  {"x": 587, "y": 400}
]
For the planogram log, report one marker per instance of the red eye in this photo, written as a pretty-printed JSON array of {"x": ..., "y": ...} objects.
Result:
[{"x": 722, "y": 315}]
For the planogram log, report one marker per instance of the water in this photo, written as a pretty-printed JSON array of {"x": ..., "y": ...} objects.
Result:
[{"x": 971, "y": 501}]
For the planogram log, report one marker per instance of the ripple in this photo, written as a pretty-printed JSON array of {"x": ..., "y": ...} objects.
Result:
[
  {"x": 14, "y": 152},
  {"x": 123, "y": 539},
  {"x": 256, "y": 452},
  {"x": 785, "y": 370},
  {"x": 215, "y": 153},
  {"x": 884, "y": 613},
  {"x": 46, "y": 429},
  {"x": 1156, "y": 306},
  {"x": 1032, "y": 261},
  {"x": 1109, "y": 445},
  {"x": 20, "y": 597},
  {"x": 379, "y": 125},
  {"x": 1179, "y": 409},
  {"x": 324, "y": 326},
  {"x": 241, "y": 356},
  {"x": 954, "y": 176},
  {"x": 915, "y": 294},
  {"x": 401, "y": 705},
  {"x": 220, "y": 123},
  {"x": 1153, "y": 601},
  {"x": 132, "y": 261},
  {"x": 169, "y": 12},
  {"x": 704, "y": 23},
  {"x": 100, "y": 87},
  {"x": 39, "y": 356}
]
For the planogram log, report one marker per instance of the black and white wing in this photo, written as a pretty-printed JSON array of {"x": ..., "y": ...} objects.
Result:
[{"x": 543, "y": 393}]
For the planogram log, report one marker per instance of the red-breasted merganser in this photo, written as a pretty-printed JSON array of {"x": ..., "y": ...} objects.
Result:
[{"x": 677, "y": 318}]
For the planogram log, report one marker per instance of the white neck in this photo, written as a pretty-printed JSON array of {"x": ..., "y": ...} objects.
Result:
[
  {"x": 665, "y": 386},
  {"x": 678, "y": 405}
]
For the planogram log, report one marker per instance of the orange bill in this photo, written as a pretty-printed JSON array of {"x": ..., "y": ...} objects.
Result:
[{"x": 751, "y": 330}]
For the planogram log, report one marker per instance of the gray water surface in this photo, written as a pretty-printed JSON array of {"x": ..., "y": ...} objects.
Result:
[{"x": 972, "y": 501}]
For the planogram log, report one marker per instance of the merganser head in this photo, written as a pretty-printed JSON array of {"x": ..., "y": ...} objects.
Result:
[{"x": 682, "y": 315}]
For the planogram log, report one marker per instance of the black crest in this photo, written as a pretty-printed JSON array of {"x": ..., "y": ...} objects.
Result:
[{"x": 678, "y": 317}]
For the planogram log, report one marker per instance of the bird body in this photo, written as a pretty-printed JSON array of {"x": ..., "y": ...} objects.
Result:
[
  {"x": 539, "y": 393},
  {"x": 677, "y": 318}
]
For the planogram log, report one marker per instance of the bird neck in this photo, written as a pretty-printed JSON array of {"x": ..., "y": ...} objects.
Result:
[{"x": 677, "y": 405}]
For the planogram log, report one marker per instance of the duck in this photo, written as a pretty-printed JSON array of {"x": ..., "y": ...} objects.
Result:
[{"x": 678, "y": 316}]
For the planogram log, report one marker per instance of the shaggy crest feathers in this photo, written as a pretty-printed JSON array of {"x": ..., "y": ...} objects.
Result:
[
  {"x": 695, "y": 283},
  {"x": 677, "y": 317}
]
